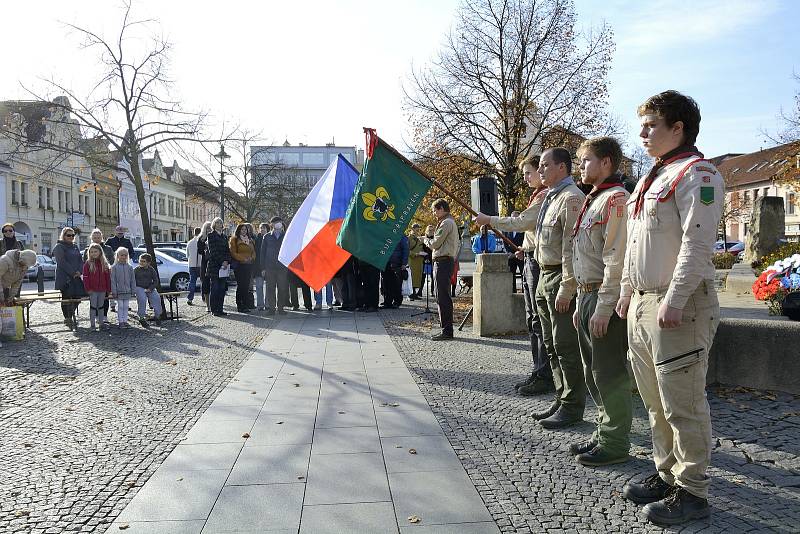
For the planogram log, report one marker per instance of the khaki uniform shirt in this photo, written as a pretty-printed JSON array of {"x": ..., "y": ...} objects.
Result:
[
  {"x": 553, "y": 242},
  {"x": 671, "y": 242},
  {"x": 525, "y": 222},
  {"x": 599, "y": 246},
  {"x": 445, "y": 241}
]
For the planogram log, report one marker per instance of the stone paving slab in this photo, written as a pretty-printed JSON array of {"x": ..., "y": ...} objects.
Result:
[{"x": 323, "y": 429}]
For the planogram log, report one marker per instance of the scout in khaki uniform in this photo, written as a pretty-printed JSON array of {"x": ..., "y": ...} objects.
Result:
[
  {"x": 541, "y": 378},
  {"x": 598, "y": 242},
  {"x": 555, "y": 294},
  {"x": 445, "y": 245},
  {"x": 415, "y": 260},
  {"x": 668, "y": 296}
]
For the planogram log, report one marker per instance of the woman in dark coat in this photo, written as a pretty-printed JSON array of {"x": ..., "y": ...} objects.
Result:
[
  {"x": 9, "y": 241},
  {"x": 69, "y": 266}
]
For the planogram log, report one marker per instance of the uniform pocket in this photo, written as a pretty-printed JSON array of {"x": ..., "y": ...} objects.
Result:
[{"x": 680, "y": 361}]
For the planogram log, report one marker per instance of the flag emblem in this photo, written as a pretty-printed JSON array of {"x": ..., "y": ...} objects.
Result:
[{"x": 378, "y": 205}]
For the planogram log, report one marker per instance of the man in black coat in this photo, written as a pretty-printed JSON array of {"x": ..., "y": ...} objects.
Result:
[
  {"x": 273, "y": 271},
  {"x": 119, "y": 240}
]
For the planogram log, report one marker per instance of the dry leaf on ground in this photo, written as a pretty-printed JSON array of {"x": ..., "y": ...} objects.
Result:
[{"x": 414, "y": 519}]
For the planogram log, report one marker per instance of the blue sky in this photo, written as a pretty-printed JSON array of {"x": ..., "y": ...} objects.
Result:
[{"x": 316, "y": 71}]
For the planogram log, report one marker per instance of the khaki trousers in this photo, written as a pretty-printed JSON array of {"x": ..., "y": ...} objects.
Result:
[
  {"x": 606, "y": 373},
  {"x": 670, "y": 368},
  {"x": 561, "y": 341}
]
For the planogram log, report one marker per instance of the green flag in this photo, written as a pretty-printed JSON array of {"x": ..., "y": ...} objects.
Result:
[{"x": 387, "y": 195}]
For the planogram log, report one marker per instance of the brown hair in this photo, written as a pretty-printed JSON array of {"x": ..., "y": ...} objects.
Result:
[
  {"x": 532, "y": 160},
  {"x": 441, "y": 203},
  {"x": 673, "y": 106},
  {"x": 146, "y": 257},
  {"x": 561, "y": 155},
  {"x": 603, "y": 147}
]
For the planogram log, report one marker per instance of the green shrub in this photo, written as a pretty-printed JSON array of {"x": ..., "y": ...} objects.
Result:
[
  {"x": 784, "y": 251},
  {"x": 723, "y": 261}
]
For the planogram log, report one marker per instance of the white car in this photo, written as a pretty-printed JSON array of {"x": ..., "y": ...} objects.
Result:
[
  {"x": 48, "y": 266},
  {"x": 173, "y": 273}
]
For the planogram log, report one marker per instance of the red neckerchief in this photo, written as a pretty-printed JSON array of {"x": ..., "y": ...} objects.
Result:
[
  {"x": 536, "y": 193},
  {"x": 614, "y": 180},
  {"x": 673, "y": 155}
]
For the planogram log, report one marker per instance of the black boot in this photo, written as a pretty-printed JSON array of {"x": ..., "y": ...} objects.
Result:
[
  {"x": 599, "y": 456},
  {"x": 537, "y": 386},
  {"x": 679, "y": 506},
  {"x": 581, "y": 447},
  {"x": 550, "y": 410},
  {"x": 560, "y": 419},
  {"x": 525, "y": 382},
  {"x": 651, "y": 489}
]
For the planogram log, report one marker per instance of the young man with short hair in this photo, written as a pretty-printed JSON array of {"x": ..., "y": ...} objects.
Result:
[
  {"x": 672, "y": 308},
  {"x": 598, "y": 241},
  {"x": 445, "y": 245}
]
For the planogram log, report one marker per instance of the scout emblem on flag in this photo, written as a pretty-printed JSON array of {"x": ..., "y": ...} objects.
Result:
[
  {"x": 707, "y": 195},
  {"x": 378, "y": 206}
]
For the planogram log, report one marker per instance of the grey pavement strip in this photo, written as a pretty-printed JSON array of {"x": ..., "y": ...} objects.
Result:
[{"x": 323, "y": 430}]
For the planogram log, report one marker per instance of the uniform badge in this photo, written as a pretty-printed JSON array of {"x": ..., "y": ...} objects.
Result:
[
  {"x": 652, "y": 212},
  {"x": 707, "y": 195},
  {"x": 701, "y": 168},
  {"x": 706, "y": 179}
]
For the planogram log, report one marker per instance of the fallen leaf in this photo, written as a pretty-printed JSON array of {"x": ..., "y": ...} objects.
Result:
[
  {"x": 27, "y": 445},
  {"x": 398, "y": 446},
  {"x": 279, "y": 422},
  {"x": 518, "y": 455},
  {"x": 69, "y": 408},
  {"x": 21, "y": 513},
  {"x": 171, "y": 362},
  {"x": 394, "y": 404},
  {"x": 57, "y": 455},
  {"x": 124, "y": 526},
  {"x": 252, "y": 393},
  {"x": 340, "y": 413},
  {"x": 414, "y": 519},
  {"x": 412, "y": 451},
  {"x": 300, "y": 477},
  {"x": 179, "y": 479},
  {"x": 297, "y": 385},
  {"x": 246, "y": 435}
]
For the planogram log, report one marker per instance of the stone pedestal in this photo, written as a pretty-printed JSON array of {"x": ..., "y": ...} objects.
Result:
[
  {"x": 496, "y": 310},
  {"x": 767, "y": 225}
]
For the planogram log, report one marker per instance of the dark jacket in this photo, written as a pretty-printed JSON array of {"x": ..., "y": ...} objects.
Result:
[
  {"x": 108, "y": 251},
  {"x": 146, "y": 277},
  {"x": 400, "y": 255},
  {"x": 270, "y": 246},
  {"x": 68, "y": 262},
  {"x": 9, "y": 244},
  {"x": 257, "y": 267},
  {"x": 116, "y": 242},
  {"x": 218, "y": 252},
  {"x": 516, "y": 238}
]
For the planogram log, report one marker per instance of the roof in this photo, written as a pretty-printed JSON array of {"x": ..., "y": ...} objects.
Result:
[
  {"x": 719, "y": 159},
  {"x": 761, "y": 166}
]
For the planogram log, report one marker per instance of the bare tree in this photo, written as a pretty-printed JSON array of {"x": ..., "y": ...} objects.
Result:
[
  {"x": 510, "y": 72},
  {"x": 640, "y": 162},
  {"x": 130, "y": 111}
]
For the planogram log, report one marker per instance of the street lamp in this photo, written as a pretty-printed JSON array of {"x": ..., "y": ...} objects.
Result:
[{"x": 222, "y": 156}]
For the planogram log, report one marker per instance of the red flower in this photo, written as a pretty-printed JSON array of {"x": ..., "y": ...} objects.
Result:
[{"x": 763, "y": 290}]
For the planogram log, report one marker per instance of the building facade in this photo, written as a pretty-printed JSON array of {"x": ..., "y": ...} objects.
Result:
[
  {"x": 45, "y": 189},
  {"x": 201, "y": 201},
  {"x": 771, "y": 172},
  {"x": 285, "y": 174},
  {"x": 167, "y": 198}
]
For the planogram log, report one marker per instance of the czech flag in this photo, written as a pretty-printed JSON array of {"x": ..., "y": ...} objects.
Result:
[{"x": 309, "y": 247}]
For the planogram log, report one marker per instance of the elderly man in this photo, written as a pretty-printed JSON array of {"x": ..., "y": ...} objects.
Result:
[
  {"x": 13, "y": 266},
  {"x": 119, "y": 240}
]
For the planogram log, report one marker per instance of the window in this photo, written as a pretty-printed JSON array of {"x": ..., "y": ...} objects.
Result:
[
  {"x": 67, "y": 203},
  {"x": 100, "y": 209},
  {"x": 23, "y": 194},
  {"x": 108, "y": 208},
  {"x": 47, "y": 241},
  {"x": 49, "y": 198},
  {"x": 80, "y": 203},
  {"x": 755, "y": 195},
  {"x": 746, "y": 196},
  {"x": 14, "y": 185},
  {"x": 171, "y": 208},
  {"x": 60, "y": 200},
  {"x": 313, "y": 158},
  {"x": 766, "y": 191},
  {"x": 41, "y": 196},
  {"x": 790, "y": 200}
]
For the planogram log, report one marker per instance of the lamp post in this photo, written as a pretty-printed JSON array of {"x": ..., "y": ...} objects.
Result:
[{"x": 222, "y": 156}]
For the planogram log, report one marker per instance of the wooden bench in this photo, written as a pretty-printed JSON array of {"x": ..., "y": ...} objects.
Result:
[
  {"x": 26, "y": 300},
  {"x": 172, "y": 298}
]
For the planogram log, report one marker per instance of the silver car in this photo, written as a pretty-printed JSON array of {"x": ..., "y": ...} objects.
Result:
[
  {"x": 172, "y": 272},
  {"x": 48, "y": 266}
]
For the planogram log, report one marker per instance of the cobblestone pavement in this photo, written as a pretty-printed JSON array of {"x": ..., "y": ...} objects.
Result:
[
  {"x": 531, "y": 484},
  {"x": 87, "y": 417}
]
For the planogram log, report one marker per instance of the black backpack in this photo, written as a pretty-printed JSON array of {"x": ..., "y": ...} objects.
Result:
[{"x": 791, "y": 306}]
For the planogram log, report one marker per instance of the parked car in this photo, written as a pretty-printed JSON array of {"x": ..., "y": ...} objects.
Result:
[
  {"x": 170, "y": 244},
  {"x": 176, "y": 253},
  {"x": 172, "y": 273},
  {"x": 733, "y": 247},
  {"x": 48, "y": 268}
]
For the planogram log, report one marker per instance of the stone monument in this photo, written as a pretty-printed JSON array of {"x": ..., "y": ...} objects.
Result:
[
  {"x": 495, "y": 309},
  {"x": 767, "y": 226}
]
